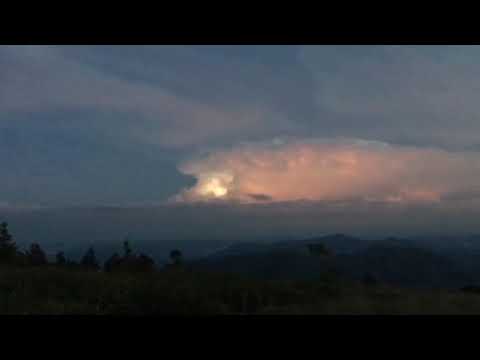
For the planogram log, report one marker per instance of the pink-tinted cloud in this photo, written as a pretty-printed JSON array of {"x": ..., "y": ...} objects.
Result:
[{"x": 330, "y": 170}]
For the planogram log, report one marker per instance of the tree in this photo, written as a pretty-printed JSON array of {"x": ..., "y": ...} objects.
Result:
[
  {"x": 176, "y": 257},
  {"x": 8, "y": 248},
  {"x": 60, "y": 258},
  {"x": 145, "y": 263},
  {"x": 112, "y": 263},
  {"x": 89, "y": 260},
  {"x": 127, "y": 249},
  {"x": 36, "y": 256}
]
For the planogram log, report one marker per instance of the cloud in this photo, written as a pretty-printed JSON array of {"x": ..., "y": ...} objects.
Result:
[
  {"x": 77, "y": 122},
  {"x": 40, "y": 79},
  {"x": 339, "y": 170},
  {"x": 408, "y": 94},
  {"x": 260, "y": 197}
]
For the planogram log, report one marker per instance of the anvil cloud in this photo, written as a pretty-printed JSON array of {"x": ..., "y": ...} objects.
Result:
[{"x": 331, "y": 170}]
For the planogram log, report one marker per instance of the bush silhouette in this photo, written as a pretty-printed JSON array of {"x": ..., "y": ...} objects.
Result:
[
  {"x": 36, "y": 256},
  {"x": 89, "y": 260},
  {"x": 112, "y": 263},
  {"x": 176, "y": 257},
  {"x": 60, "y": 259},
  {"x": 130, "y": 262}
]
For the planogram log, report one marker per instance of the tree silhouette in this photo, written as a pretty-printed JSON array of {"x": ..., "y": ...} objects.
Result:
[
  {"x": 89, "y": 260},
  {"x": 145, "y": 263},
  {"x": 36, "y": 256},
  {"x": 8, "y": 248},
  {"x": 176, "y": 257},
  {"x": 112, "y": 263},
  {"x": 127, "y": 249},
  {"x": 60, "y": 258}
]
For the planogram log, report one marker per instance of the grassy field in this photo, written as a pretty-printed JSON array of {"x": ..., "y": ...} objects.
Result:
[{"x": 51, "y": 290}]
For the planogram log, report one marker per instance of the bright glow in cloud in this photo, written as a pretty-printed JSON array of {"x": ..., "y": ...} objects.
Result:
[
  {"x": 212, "y": 184},
  {"x": 331, "y": 170}
]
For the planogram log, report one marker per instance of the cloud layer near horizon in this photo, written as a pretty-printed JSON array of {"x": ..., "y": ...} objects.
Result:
[{"x": 331, "y": 170}]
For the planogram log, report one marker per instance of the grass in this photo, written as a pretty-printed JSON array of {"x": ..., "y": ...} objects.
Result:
[{"x": 51, "y": 290}]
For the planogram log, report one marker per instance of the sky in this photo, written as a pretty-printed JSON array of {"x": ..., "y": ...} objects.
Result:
[{"x": 315, "y": 128}]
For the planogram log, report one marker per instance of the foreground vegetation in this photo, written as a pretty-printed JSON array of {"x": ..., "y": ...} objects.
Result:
[
  {"x": 51, "y": 290},
  {"x": 131, "y": 284}
]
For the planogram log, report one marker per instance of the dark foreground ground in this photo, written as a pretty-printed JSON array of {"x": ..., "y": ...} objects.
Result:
[{"x": 50, "y": 290}]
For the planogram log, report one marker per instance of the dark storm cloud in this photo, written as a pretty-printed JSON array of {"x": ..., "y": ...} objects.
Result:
[{"x": 260, "y": 197}]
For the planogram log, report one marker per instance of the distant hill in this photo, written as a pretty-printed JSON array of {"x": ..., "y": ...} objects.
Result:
[
  {"x": 405, "y": 265},
  {"x": 339, "y": 243},
  {"x": 393, "y": 261}
]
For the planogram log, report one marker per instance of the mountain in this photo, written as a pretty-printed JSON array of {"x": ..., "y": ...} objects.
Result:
[
  {"x": 405, "y": 265},
  {"x": 339, "y": 243},
  {"x": 421, "y": 261},
  {"x": 393, "y": 261}
]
